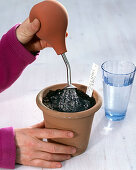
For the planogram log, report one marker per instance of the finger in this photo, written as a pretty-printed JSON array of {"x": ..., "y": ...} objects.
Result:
[
  {"x": 36, "y": 45},
  {"x": 52, "y": 133},
  {"x": 55, "y": 148},
  {"x": 39, "y": 125},
  {"x": 44, "y": 44},
  {"x": 45, "y": 164},
  {"x": 51, "y": 157}
]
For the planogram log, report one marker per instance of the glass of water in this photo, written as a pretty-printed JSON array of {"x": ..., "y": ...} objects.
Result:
[{"x": 118, "y": 78}]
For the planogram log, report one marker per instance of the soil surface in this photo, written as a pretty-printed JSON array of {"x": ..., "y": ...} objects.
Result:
[{"x": 68, "y": 100}]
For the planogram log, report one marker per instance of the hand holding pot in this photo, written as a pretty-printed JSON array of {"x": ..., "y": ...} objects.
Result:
[
  {"x": 32, "y": 151},
  {"x": 26, "y": 35}
]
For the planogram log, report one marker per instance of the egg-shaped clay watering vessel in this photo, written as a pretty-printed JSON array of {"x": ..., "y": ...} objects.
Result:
[
  {"x": 54, "y": 20},
  {"x": 78, "y": 122}
]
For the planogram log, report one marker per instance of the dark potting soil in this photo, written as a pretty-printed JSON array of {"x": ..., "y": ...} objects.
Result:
[{"x": 68, "y": 100}]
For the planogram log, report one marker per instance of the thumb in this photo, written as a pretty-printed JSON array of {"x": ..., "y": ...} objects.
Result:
[
  {"x": 27, "y": 30},
  {"x": 31, "y": 28}
]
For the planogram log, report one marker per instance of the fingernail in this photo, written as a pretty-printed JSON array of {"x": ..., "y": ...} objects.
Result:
[
  {"x": 58, "y": 165},
  {"x": 73, "y": 150},
  {"x": 70, "y": 134},
  {"x": 36, "y": 21}
]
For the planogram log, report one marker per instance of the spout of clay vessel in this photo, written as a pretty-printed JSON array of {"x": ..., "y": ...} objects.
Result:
[{"x": 54, "y": 20}]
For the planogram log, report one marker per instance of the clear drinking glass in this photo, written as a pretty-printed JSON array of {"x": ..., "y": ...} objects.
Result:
[{"x": 118, "y": 78}]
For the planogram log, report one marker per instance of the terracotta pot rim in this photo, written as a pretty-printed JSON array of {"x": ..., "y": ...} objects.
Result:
[{"x": 66, "y": 115}]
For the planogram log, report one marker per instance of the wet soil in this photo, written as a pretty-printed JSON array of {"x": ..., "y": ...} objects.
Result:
[{"x": 68, "y": 100}]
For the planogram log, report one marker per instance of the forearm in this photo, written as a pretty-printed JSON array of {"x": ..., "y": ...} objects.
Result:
[{"x": 13, "y": 59}]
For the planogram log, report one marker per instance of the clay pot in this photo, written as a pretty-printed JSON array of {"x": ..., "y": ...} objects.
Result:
[
  {"x": 54, "y": 20},
  {"x": 78, "y": 122}
]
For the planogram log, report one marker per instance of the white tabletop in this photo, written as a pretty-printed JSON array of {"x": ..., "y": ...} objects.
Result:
[{"x": 98, "y": 30}]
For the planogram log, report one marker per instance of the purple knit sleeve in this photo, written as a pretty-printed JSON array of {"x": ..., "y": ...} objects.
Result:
[
  {"x": 7, "y": 148},
  {"x": 13, "y": 59}
]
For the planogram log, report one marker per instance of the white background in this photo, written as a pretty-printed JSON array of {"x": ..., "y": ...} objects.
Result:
[{"x": 99, "y": 30}]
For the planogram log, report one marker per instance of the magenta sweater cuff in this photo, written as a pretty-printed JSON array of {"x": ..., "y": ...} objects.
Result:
[
  {"x": 7, "y": 148},
  {"x": 17, "y": 47}
]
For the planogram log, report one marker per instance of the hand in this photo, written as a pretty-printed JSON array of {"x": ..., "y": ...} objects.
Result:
[
  {"x": 26, "y": 35},
  {"x": 32, "y": 151}
]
